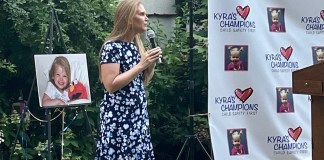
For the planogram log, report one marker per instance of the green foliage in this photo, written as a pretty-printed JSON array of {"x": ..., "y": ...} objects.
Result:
[
  {"x": 28, "y": 16},
  {"x": 7, "y": 65},
  {"x": 23, "y": 32},
  {"x": 168, "y": 91}
]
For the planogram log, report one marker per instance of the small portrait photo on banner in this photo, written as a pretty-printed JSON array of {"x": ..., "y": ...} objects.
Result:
[
  {"x": 62, "y": 80},
  {"x": 318, "y": 54},
  {"x": 276, "y": 19},
  {"x": 237, "y": 141},
  {"x": 236, "y": 57},
  {"x": 284, "y": 100}
]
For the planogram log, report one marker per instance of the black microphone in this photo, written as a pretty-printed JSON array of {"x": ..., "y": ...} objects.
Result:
[{"x": 151, "y": 35}]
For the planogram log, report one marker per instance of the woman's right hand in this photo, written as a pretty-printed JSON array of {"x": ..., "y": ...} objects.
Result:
[
  {"x": 150, "y": 57},
  {"x": 113, "y": 80}
]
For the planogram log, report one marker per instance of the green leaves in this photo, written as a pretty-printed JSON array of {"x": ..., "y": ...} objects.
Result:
[
  {"x": 168, "y": 91},
  {"x": 24, "y": 27},
  {"x": 4, "y": 64}
]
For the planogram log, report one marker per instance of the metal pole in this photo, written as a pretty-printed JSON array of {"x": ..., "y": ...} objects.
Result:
[
  {"x": 48, "y": 111},
  {"x": 191, "y": 81},
  {"x": 49, "y": 133},
  {"x": 51, "y": 32},
  {"x": 62, "y": 138}
]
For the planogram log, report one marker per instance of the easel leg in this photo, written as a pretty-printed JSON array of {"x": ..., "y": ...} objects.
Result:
[
  {"x": 49, "y": 133},
  {"x": 191, "y": 138},
  {"x": 20, "y": 129},
  {"x": 184, "y": 144},
  {"x": 202, "y": 146},
  {"x": 15, "y": 141},
  {"x": 62, "y": 134}
]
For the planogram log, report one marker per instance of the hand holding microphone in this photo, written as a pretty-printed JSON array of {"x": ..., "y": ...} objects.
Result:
[{"x": 151, "y": 36}]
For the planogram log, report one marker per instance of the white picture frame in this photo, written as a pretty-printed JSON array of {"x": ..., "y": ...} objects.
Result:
[{"x": 78, "y": 75}]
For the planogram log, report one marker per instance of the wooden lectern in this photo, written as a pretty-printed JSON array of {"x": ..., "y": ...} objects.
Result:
[{"x": 310, "y": 81}]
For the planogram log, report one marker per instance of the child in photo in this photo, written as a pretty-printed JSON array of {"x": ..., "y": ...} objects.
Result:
[
  {"x": 320, "y": 55},
  {"x": 59, "y": 81},
  {"x": 235, "y": 59},
  {"x": 276, "y": 24},
  {"x": 285, "y": 104}
]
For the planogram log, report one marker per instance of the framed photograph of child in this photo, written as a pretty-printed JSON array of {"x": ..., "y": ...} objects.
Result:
[{"x": 62, "y": 80}]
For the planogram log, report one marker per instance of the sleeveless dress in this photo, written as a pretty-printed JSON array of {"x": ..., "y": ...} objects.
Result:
[{"x": 124, "y": 125}]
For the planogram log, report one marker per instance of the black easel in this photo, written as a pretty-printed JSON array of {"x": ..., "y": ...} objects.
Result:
[
  {"x": 191, "y": 137},
  {"x": 22, "y": 113},
  {"x": 54, "y": 18},
  {"x": 49, "y": 38},
  {"x": 49, "y": 129}
]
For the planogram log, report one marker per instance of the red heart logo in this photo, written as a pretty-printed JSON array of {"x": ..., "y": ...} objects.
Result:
[
  {"x": 243, "y": 95},
  {"x": 322, "y": 14},
  {"x": 286, "y": 52},
  {"x": 295, "y": 133},
  {"x": 243, "y": 12}
]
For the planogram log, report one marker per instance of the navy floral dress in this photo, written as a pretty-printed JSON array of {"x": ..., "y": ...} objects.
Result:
[{"x": 124, "y": 125}]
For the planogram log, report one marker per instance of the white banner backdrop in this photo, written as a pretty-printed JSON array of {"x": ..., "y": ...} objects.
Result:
[{"x": 254, "y": 46}]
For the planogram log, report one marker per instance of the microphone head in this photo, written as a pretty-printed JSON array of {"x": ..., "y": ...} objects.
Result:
[{"x": 150, "y": 34}]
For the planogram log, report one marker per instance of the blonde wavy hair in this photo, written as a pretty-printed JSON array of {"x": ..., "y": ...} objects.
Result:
[
  {"x": 123, "y": 21},
  {"x": 60, "y": 61}
]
